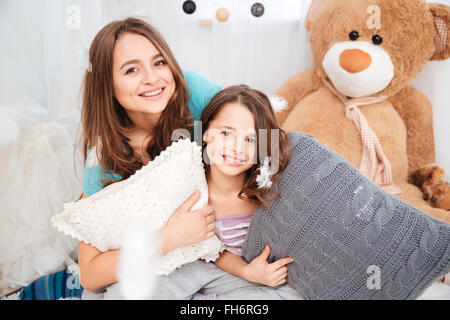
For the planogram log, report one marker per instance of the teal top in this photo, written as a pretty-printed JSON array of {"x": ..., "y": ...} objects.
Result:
[{"x": 201, "y": 92}]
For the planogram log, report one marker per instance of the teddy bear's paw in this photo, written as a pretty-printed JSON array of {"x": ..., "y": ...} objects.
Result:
[
  {"x": 429, "y": 180},
  {"x": 444, "y": 203},
  {"x": 429, "y": 173}
]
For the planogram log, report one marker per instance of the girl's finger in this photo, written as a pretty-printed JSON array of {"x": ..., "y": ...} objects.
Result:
[
  {"x": 281, "y": 262},
  {"x": 281, "y": 271},
  {"x": 265, "y": 254},
  {"x": 279, "y": 283}
]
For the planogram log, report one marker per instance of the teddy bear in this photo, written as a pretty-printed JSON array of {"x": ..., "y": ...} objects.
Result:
[{"x": 357, "y": 99}]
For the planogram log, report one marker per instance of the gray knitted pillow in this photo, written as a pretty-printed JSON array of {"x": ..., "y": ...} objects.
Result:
[{"x": 349, "y": 238}]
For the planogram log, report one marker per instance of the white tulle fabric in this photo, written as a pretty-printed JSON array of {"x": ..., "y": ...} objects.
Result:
[
  {"x": 37, "y": 177},
  {"x": 151, "y": 196}
]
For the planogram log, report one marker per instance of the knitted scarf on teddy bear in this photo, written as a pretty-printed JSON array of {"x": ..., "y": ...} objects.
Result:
[{"x": 374, "y": 164}]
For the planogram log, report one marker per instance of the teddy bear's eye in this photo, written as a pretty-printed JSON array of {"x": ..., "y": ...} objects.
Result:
[
  {"x": 377, "y": 40},
  {"x": 354, "y": 35}
]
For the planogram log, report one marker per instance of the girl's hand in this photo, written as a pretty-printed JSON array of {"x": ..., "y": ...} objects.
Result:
[
  {"x": 187, "y": 227},
  {"x": 269, "y": 274}
]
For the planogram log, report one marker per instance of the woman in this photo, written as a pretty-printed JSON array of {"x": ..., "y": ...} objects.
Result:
[{"x": 134, "y": 97}]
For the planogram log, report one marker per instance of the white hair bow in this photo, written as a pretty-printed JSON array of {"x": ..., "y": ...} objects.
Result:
[{"x": 264, "y": 177}]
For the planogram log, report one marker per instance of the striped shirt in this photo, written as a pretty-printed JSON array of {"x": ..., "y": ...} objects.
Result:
[{"x": 232, "y": 231}]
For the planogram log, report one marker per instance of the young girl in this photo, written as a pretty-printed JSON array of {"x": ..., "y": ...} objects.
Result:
[
  {"x": 236, "y": 145},
  {"x": 134, "y": 96}
]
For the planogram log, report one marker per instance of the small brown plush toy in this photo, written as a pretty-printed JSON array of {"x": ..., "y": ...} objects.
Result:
[{"x": 357, "y": 100}]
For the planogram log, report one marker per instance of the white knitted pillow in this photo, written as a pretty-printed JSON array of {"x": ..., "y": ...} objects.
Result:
[{"x": 151, "y": 195}]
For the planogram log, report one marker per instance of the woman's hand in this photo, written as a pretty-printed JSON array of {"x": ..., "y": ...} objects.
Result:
[
  {"x": 187, "y": 227},
  {"x": 269, "y": 274}
]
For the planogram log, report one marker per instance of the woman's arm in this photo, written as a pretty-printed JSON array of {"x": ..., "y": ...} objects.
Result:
[
  {"x": 99, "y": 269},
  {"x": 257, "y": 271}
]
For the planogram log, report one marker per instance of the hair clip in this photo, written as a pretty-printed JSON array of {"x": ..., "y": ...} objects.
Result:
[{"x": 264, "y": 175}]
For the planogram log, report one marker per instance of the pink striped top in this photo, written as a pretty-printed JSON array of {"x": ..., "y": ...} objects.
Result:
[{"x": 232, "y": 231}]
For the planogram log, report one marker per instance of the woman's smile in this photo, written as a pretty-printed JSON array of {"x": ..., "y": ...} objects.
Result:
[{"x": 152, "y": 94}]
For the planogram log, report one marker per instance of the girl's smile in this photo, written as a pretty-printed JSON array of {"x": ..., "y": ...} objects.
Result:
[{"x": 233, "y": 161}]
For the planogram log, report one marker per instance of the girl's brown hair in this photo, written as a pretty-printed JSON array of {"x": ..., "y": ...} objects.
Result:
[
  {"x": 259, "y": 105},
  {"x": 105, "y": 122}
]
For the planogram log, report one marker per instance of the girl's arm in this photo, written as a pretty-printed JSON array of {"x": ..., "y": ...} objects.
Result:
[
  {"x": 99, "y": 269},
  {"x": 257, "y": 271},
  {"x": 233, "y": 264}
]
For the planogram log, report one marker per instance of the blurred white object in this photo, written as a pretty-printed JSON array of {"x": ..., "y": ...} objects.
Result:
[{"x": 138, "y": 263}]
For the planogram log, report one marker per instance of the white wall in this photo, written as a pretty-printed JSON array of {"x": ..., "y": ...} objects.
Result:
[
  {"x": 261, "y": 52},
  {"x": 434, "y": 82}
]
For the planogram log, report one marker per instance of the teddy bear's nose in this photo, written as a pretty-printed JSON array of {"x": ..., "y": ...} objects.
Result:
[{"x": 354, "y": 60}]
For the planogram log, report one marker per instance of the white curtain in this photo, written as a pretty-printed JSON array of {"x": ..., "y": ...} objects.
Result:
[
  {"x": 260, "y": 52},
  {"x": 43, "y": 57}
]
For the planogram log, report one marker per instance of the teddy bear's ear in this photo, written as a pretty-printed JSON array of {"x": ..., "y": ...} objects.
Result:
[
  {"x": 441, "y": 15},
  {"x": 315, "y": 4}
]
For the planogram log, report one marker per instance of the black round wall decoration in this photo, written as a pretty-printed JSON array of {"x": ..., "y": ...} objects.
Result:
[
  {"x": 257, "y": 9},
  {"x": 189, "y": 7}
]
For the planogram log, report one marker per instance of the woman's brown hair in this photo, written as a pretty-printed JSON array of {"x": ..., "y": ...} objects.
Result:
[
  {"x": 105, "y": 122},
  {"x": 265, "y": 121}
]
